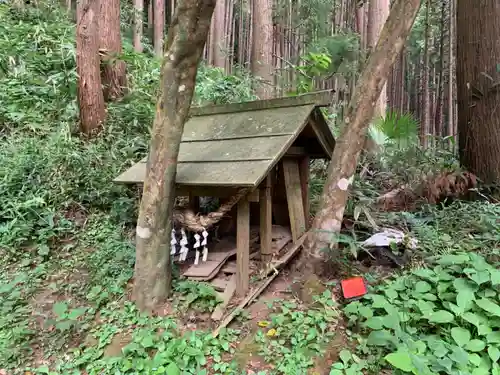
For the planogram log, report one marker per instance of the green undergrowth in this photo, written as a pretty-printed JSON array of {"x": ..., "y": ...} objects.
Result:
[{"x": 442, "y": 319}]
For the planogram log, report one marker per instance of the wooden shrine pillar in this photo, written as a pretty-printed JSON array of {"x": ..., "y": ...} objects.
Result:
[
  {"x": 304, "y": 185},
  {"x": 294, "y": 197},
  {"x": 243, "y": 247},
  {"x": 266, "y": 221}
]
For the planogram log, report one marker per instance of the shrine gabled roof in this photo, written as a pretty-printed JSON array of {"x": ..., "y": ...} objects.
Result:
[{"x": 236, "y": 145}]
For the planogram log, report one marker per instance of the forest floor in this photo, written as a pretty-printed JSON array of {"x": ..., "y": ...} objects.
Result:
[{"x": 67, "y": 252}]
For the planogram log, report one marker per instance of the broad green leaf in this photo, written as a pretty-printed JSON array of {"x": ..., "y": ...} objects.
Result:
[
  {"x": 426, "y": 273},
  {"x": 494, "y": 353},
  {"x": 493, "y": 337},
  {"x": 375, "y": 322},
  {"x": 60, "y": 308},
  {"x": 400, "y": 360},
  {"x": 465, "y": 300},
  {"x": 459, "y": 355},
  {"x": 475, "y": 359},
  {"x": 365, "y": 311},
  {"x": 379, "y": 302},
  {"x": 489, "y": 306},
  {"x": 422, "y": 287},
  {"x": 450, "y": 259},
  {"x": 475, "y": 345},
  {"x": 495, "y": 277},
  {"x": 173, "y": 369},
  {"x": 345, "y": 356},
  {"x": 379, "y": 338},
  {"x": 475, "y": 319},
  {"x": 460, "y": 335},
  {"x": 441, "y": 316}
]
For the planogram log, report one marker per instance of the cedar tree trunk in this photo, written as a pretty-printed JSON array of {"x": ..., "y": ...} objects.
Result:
[
  {"x": 478, "y": 74},
  {"x": 138, "y": 24},
  {"x": 159, "y": 26},
  {"x": 361, "y": 109},
  {"x": 185, "y": 42},
  {"x": 113, "y": 73},
  {"x": 90, "y": 96},
  {"x": 262, "y": 47}
]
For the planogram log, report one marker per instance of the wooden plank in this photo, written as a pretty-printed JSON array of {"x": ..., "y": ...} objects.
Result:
[
  {"x": 319, "y": 98},
  {"x": 226, "y": 297},
  {"x": 294, "y": 197},
  {"x": 266, "y": 224},
  {"x": 286, "y": 121},
  {"x": 304, "y": 183},
  {"x": 231, "y": 174},
  {"x": 322, "y": 131},
  {"x": 243, "y": 247},
  {"x": 232, "y": 150}
]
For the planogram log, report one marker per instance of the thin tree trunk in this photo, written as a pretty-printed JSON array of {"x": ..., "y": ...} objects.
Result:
[
  {"x": 262, "y": 43},
  {"x": 378, "y": 10},
  {"x": 452, "y": 71},
  {"x": 424, "y": 102},
  {"x": 438, "y": 116},
  {"x": 217, "y": 36},
  {"x": 159, "y": 26},
  {"x": 342, "y": 168},
  {"x": 90, "y": 96},
  {"x": 478, "y": 55},
  {"x": 113, "y": 74},
  {"x": 138, "y": 24},
  {"x": 186, "y": 39}
]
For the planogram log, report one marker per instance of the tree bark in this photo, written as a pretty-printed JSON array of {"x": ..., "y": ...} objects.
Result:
[
  {"x": 262, "y": 43},
  {"x": 378, "y": 10},
  {"x": 361, "y": 109},
  {"x": 159, "y": 26},
  {"x": 438, "y": 115},
  {"x": 138, "y": 24},
  {"x": 478, "y": 74},
  {"x": 424, "y": 89},
  {"x": 218, "y": 45},
  {"x": 185, "y": 43},
  {"x": 113, "y": 73},
  {"x": 90, "y": 96}
]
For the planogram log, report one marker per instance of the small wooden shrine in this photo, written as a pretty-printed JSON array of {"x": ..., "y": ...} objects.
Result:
[{"x": 261, "y": 148}]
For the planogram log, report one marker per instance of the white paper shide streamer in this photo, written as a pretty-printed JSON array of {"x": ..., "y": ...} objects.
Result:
[
  {"x": 196, "y": 247},
  {"x": 184, "y": 248},
  {"x": 173, "y": 243},
  {"x": 204, "y": 244}
]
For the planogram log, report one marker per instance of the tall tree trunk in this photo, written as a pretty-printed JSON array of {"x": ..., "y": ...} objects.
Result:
[
  {"x": 360, "y": 112},
  {"x": 452, "y": 71},
  {"x": 186, "y": 39},
  {"x": 113, "y": 74},
  {"x": 159, "y": 26},
  {"x": 378, "y": 10},
  {"x": 478, "y": 56},
  {"x": 424, "y": 89},
  {"x": 138, "y": 24},
  {"x": 262, "y": 43},
  {"x": 217, "y": 35},
  {"x": 438, "y": 115},
  {"x": 90, "y": 96}
]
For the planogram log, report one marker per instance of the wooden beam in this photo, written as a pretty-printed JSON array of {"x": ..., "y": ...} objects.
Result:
[
  {"x": 266, "y": 224},
  {"x": 213, "y": 191},
  {"x": 296, "y": 151},
  {"x": 304, "y": 183},
  {"x": 294, "y": 198},
  {"x": 319, "y": 99},
  {"x": 243, "y": 247}
]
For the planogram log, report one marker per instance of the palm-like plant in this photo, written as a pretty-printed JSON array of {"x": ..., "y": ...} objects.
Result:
[{"x": 397, "y": 129}]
